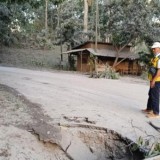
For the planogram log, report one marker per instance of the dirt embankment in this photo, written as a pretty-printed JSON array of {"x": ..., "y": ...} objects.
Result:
[
  {"x": 32, "y": 58},
  {"x": 17, "y": 115}
]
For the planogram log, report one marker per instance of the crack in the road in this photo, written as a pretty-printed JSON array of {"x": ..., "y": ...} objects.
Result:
[{"x": 68, "y": 146}]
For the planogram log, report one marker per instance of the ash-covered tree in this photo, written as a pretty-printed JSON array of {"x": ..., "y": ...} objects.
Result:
[
  {"x": 5, "y": 21},
  {"x": 14, "y": 15},
  {"x": 130, "y": 22}
]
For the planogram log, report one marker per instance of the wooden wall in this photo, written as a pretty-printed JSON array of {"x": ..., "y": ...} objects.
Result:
[
  {"x": 125, "y": 67},
  {"x": 83, "y": 62}
]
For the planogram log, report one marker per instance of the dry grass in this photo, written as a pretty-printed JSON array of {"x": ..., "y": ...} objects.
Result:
[{"x": 12, "y": 110}]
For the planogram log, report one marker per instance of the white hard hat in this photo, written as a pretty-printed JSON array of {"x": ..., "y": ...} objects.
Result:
[{"x": 156, "y": 45}]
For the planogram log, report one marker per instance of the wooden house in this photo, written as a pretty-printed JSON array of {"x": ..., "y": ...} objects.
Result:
[{"x": 105, "y": 53}]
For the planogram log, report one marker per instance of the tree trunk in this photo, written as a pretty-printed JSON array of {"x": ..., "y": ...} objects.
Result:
[
  {"x": 85, "y": 20},
  {"x": 116, "y": 60},
  {"x": 117, "y": 56},
  {"x": 58, "y": 16},
  {"x": 46, "y": 15},
  {"x": 96, "y": 31},
  {"x": 118, "y": 50}
]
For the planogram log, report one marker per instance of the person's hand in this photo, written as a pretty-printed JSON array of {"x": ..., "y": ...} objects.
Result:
[{"x": 152, "y": 84}]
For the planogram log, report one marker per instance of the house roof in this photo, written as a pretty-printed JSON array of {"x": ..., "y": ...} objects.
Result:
[
  {"x": 104, "y": 53},
  {"x": 92, "y": 42}
]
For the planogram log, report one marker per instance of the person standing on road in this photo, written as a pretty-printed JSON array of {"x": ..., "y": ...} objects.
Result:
[{"x": 153, "y": 103}]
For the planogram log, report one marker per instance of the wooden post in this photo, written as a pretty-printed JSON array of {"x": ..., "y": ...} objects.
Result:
[
  {"x": 69, "y": 66},
  {"x": 81, "y": 60},
  {"x": 95, "y": 63}
]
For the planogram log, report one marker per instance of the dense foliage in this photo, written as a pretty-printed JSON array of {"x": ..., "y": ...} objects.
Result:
[
  {"x": 5, "y": 21},
  {"x": 123, "y": 22}
]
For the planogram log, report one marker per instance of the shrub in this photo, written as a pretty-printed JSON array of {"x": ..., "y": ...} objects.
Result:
[{"x": 108, "y": 73}]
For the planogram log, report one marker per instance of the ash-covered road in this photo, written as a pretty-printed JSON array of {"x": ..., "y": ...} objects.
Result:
[{"x": 75, "y": 98}]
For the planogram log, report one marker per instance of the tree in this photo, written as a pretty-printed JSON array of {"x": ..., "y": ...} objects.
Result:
[
  {"x": 132, "y": 23},
  {"x": 5, "y": 20},
  {"x": 13, "y": 17}
]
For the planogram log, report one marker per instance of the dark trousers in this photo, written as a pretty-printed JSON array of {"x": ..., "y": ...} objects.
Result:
[{"x": 153, "y": 100}]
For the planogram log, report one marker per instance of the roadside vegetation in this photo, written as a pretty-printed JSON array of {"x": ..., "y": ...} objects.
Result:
[{"x": 108, "y": 73}]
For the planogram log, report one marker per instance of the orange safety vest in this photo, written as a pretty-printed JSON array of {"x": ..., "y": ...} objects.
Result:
[{"x": 154, "y": 62}]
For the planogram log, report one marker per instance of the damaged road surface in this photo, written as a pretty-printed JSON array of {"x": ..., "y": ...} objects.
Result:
[
  {"x": 26, "y": 133},
  {"x": 46, "y": 115}
]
